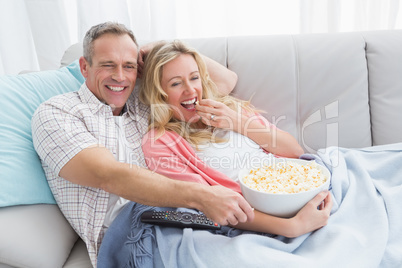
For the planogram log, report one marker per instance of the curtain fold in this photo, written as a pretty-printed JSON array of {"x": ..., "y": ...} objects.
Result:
[
  {"x": 91, "y": 12},
  {"x": 35, "y": 33},
  {"x": 17, "y": 47},
  {"x": 49, "y": 31}
]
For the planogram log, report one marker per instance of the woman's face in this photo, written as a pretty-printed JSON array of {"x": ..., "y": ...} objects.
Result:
[{"x": 182, "y": 83}]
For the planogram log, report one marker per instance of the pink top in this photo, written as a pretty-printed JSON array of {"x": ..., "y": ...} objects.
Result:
[{"x": 171, "y": 155}]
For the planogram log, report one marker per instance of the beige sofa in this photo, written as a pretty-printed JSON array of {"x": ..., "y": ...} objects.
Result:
[{"x": 325, "y": 89}]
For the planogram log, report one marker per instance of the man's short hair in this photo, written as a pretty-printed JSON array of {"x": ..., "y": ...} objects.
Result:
[{"x": 97, "y": 31}]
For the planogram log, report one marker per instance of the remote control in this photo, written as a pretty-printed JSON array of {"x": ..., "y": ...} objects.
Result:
[{"x": 179, "y": 219}]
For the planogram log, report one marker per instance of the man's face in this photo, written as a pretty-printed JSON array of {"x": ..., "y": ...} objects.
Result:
[{"x": 113, "y": 73}]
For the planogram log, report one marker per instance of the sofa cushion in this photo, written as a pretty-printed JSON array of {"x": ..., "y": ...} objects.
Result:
[
  {"x": 384, "y": 62},
  {"x": 34, "y": 236},
  {"x": 79, "y": 257},
  {"x": 22, "y": 180}
]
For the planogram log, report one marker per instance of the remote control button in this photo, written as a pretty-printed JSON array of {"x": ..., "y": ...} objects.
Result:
[{"x": 186, "y": 217}]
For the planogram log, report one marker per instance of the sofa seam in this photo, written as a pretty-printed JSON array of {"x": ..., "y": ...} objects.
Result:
[
  {"x": 297, "y": 88},
  {"x": 368, "y": 88}
]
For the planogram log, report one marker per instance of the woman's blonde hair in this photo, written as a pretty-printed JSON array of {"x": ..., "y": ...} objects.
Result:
[{"x": 152, "y": 94}]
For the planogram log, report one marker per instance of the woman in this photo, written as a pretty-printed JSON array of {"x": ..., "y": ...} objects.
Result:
[{"x": 197, "y": 135}]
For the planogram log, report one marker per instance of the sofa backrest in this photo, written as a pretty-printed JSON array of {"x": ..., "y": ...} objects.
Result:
[
  {"x": 313, "y": 86},
  {"x": 384, "y": 62},
  {"x": 342, "y": 89}
]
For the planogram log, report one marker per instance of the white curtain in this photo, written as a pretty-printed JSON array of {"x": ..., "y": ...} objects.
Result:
[{"x": 35, "y": 33}]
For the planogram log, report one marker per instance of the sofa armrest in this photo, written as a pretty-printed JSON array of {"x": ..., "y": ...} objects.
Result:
[{"x": 35, "y": 236}]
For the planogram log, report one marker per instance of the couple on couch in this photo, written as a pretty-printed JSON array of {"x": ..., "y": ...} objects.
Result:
[{"x": 95, "y": 145}]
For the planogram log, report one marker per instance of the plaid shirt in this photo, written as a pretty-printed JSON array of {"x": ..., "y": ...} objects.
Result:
[{"x": 69, "y": 123}]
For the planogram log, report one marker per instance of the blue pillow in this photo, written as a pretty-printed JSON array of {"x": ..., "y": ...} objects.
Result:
[{"x": 22, "y": 179}]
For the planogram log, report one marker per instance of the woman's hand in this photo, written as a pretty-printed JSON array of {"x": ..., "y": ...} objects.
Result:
[
  {"x": 313, "y": 215},
  {"x": 217, "y": 114}
]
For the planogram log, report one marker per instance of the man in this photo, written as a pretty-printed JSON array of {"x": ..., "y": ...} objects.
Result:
[{"x": 89, "y": 144}]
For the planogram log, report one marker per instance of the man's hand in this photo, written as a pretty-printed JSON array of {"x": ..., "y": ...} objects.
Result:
[
  {"x": 225, "y": 206},
  {"x": 143, "y": 52}
]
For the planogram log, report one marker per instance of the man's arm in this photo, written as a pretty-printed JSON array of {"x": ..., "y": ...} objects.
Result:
[{"x": 96, "y": 167}]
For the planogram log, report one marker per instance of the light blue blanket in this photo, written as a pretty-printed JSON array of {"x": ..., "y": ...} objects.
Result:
[{"x": 364, "y": 230}]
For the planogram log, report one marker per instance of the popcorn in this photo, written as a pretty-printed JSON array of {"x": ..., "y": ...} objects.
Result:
[{"x": 285, "y": 177}]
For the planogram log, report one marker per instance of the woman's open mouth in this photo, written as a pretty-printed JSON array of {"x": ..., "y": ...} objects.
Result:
[{"x": 190, "y": 104}]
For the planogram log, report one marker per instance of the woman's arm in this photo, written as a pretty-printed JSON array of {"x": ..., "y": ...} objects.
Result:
[
  {"x": 269, "y": 137},
  {"x": 255, "y": 127},
  {"x": 224, "y": 78},
  {"x": 308, "y": 219}
]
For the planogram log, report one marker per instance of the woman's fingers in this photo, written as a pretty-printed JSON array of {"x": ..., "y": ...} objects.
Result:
[
  {"x": 323, "y": 201},
  {"x": 208, "y": 118},
  {"x": 216, "y": 114},
  {"x": 319, "y": 198},
  {"x": 327, "y": 204}
]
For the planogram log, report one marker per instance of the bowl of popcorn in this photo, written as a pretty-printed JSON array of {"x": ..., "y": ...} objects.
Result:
[{"x": 284, "y": 185}]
